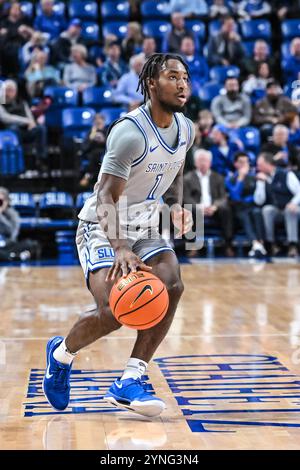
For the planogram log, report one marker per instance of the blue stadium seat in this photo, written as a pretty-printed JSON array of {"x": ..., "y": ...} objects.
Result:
[
  {"x": 76, "y": 122},
  {"x": 111, "y": 114},
  {"x": 90, "y": 31},
  {"x": 27, "y": 9},
  {"x": 11, "y": 154},
  {"x": 197, "y": 27},
  {"x": 290, "y": 29},
  {"x": 208, "y": 92},
  {"x": 199, "y": 69},
  {"x": 87, "y": 10},
  {"x": 95, "y": 52},
  {"x": 97, "y": 97},
  {"x": 56, "y": 205},
  {"x": 285, "y": 50},
  {"x": 154, "y": 9},
  {"x": 59, "y": 8},
  {"x": 117, "y": 10},
  {"x": 256, "y": 29},
  {"x": 81, "y": 199},
  {"x": 214, "y": 27},
  {"x": 156, "y": 28},
  {"x": 24, "y": 204},
  {"x": 250, "y": 137},
  {"x": 219, "y": 73},
  {"x": 62, "y": 97},
  {"x": 118, "y": 28}
]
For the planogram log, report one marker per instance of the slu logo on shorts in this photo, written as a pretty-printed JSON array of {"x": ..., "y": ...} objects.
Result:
[{"x": 104, "y": 253}]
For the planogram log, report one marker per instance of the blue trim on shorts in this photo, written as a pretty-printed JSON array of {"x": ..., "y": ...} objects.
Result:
[{"x": 156, "y": 252}]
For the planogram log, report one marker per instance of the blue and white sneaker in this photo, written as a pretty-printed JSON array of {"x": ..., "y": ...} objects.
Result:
[
  {"x": 56, "y": 383},
  {"x": 131, "y": 394}
]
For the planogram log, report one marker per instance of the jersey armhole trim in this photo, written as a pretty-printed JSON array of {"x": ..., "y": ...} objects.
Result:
[
  {"x": 141, "y": 158},
  {"x": 189, "y": 131}
]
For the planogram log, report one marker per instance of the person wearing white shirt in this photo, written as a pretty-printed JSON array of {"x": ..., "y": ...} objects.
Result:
[{"x": 278, "y": 190}]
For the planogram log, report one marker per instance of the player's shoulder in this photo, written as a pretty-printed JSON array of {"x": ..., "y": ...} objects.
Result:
[{"x": 125, "y": 128}]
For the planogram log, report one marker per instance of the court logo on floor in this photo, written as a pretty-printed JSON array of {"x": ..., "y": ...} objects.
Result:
[
  {"x": 224, "y": 393},
  {"x": 87, "y": 390}
]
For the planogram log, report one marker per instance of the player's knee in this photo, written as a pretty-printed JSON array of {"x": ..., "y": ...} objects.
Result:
[
  {"x": 106, "y": 318},
  {"x": 175, "y": 289}
]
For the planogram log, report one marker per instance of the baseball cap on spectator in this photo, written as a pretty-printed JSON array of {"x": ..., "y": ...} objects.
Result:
[{"x": 75, "y": 22}]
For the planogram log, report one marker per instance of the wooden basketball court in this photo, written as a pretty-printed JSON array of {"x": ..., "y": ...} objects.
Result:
[{"x": 229, "y": 369}]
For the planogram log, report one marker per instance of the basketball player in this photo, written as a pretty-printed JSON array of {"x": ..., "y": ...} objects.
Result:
[{"x": 144, "y": 161}]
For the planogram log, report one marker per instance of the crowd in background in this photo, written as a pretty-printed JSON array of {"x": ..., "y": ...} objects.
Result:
[{"x": 234, "y": 187}]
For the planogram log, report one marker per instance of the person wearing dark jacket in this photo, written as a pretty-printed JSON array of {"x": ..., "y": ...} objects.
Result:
[
  {"x": 284, "y": 153},
  {"x": 93, "y": 149},
  {"x": 225, "y": 47},
  {"x": 206, "y": 191},
  {"x": 278, "y": 191},
  {"x": 61, "y": 47},
  {"x": 241, "y": 186},
  {"x": 9, "y": 220}
]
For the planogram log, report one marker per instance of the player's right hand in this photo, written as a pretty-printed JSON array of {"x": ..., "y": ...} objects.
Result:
[{"x": 125, "y": 261}]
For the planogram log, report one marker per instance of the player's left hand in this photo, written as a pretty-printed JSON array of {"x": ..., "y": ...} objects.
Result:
[{"x": 182, "y": 220}]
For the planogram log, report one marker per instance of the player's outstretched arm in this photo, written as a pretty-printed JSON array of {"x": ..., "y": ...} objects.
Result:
[{"x": 109, "y": 191}]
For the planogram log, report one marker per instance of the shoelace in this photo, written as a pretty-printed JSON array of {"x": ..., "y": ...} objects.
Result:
[{"x": 61, "y": 378}]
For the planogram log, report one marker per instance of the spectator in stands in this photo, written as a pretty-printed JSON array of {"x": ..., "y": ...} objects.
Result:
[
  {"x": 93, "y": 149},
  {"x": 15, "y": 31},
  {"x": 126, "y": 93},
  {"x": 37, "y": 42},
  {"x": 294, "y": 130},
  {"x": 225, "y": 47},
  {"x": 273, "y": 109},
  {"x": 284, "y": 153},
  {"x": 203, "y": 126},
  {"x": 149, "y": 46},
  {"x": 16, "y": 115},
  {"x": 205, "y": 189},
  {"x": 256, "y": 84},
  {"x": 252, "y": 9},
  {"x": 188, "y": 8},
  {"x": 177, "y": 33},
  {"x": 287, "y": 9},
  {"x": 79, "y": 74},
  {"x": 218, "y": 9},
  {"x": 278, "y": 190},
  {"x": 198, "y": 69},
  {"x": 114, "y": 67},
  {"x": 232, "y": 109},
  {"x": 241, "y": 186},
  {"x": 9, "y": 220},
  {"x": 48, "y": 21},
  {"x": 132, "y": 43},
  {"x": 261, "y": 54},
  {"x": 61, "y": 47},
  {"x": 223, "y": 150},
  {"x": 39, "y": 75},
  {"x": 295, "y": 95},
  {"x": 291, "y": 66}
]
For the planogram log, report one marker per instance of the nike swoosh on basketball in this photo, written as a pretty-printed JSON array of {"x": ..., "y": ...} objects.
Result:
[
  {"x": 153, "y": 148},
  {"x": 48, "y": 376},
  {"x": 145, "y": 288}
]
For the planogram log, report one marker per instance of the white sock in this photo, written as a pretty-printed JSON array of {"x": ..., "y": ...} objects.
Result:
[
  {"x": 61, "y": 354},
  {"x": 135, "y": 368}
]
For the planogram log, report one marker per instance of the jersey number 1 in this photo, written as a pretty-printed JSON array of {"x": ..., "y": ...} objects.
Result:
[{"x": 157, "y": 181}]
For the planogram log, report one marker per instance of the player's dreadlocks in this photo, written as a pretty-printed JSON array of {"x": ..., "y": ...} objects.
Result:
[{"x": 152, "y": 68}]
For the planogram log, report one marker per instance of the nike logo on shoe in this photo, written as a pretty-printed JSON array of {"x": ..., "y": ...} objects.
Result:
[
  {"x": 118, "y": 385},
  {"x": 153, "y": 148},
  {"x": 48, "y": 376}
]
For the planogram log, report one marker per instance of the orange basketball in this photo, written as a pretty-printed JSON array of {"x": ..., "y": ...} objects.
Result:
[{"x": 139, "y": 300}]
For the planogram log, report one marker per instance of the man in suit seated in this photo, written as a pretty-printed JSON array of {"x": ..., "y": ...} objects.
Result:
[{"x": 205, "y": 189}]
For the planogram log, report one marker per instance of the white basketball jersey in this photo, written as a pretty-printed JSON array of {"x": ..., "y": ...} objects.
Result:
[{"x": 151, "y": 174}]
